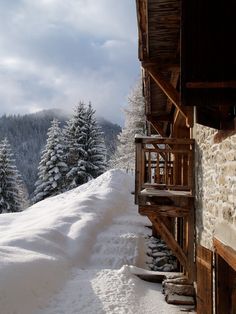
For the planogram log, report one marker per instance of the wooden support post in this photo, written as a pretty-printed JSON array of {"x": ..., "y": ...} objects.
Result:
[
  {"x": 190, "y": 235},
  {"x": 149, "y": 167},
  {"x": 138, "y": 175},
  {"x": 157, "y": 179},
  {"x": 204, "y": 281}
]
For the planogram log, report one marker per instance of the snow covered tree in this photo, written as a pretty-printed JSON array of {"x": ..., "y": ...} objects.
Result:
[
  {"x": 11, "y": 197},
  {"x": 52, "y": 167},
  {"x": 75, "y": 139},
  {"x": 95, "y": 151},
  {"x": 135, "y": 123},
  {"x": 85, "y": 148}
]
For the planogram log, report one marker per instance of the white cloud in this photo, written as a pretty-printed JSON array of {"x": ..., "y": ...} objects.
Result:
[{"x": 54, "y": 53}]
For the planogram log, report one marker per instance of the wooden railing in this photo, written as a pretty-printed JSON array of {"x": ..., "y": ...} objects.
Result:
[{"x": 164, "y": 163}]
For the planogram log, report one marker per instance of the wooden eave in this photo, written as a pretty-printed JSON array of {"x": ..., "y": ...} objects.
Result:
[
  {"x": 159, "y": 38},
  {"x": 142, "y": 28},
  {"x": 205, "y": 75}
]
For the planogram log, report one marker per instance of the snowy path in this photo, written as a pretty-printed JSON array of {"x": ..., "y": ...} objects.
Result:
[
  {"x": 104, "y": 287},
  {"x": 108, "y": 292},
  {"x": 120, "y": 243},
  {"x": 66, "y": 254}
]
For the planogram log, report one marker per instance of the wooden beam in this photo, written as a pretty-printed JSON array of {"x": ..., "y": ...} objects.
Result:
[
  {"x": 169, "y": 91},
  {"x": 226, "y": 252},
  {"x": 165, "y": 86},
  {"x": 169, "y": 239},
  {"x": 142, "y": 28},
  {"x": 190, "y": 247},
  {"x": 164, "y": 210},
  {"x": 138, "y": 170},
  {"x": 163, "y": 140},
  {"x": 227, "y": 84},
  {"x": 174, "y": 81},
  {"x": 157, "y": 126},
  {"x": 177, "y": 112}
]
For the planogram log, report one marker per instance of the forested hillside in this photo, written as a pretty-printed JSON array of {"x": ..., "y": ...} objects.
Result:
[{"x": 27, "y": 135}]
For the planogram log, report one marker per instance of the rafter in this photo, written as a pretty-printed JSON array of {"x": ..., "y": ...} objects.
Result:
[
  {"x": 169, "y": 91},
  {"x": 157, "y": 126}
]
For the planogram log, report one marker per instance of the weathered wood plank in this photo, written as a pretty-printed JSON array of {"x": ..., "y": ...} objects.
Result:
[
  {"x": 166, "y": 186},
  {"x": 226, "y": 252},
  {"x": 142, "y": 28},
  {"x": 168, "y": 150},
  {"x": 204, "y": 281},
  {"x": 138, "y": 169},
  {"x": 190, "y": 240},
  {"x": 164, "y": 140},
  {"x": 165, "y": 193},
  {"x": 163, "y": 210}
]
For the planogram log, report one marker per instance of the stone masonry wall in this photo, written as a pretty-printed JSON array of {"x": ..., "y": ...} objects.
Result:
[{"x": 215, "y": 182}]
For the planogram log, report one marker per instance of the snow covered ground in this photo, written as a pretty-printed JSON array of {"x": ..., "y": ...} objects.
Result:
[{"x": 69, "y": 254}]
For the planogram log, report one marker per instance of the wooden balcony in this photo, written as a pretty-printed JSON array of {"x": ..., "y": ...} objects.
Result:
[{"x": 164, "y": 191}]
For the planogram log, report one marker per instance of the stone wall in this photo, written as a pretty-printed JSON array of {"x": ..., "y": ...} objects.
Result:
[{"x": 215, "y": 182}]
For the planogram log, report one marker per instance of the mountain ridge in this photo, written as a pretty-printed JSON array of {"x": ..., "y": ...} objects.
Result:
[{"x": 27, "y": 135}]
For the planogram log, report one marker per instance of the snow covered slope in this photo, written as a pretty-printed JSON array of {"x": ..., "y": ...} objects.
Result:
[{"x": 64, "y": 255}]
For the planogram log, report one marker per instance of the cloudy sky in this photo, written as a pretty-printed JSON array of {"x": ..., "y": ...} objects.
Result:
[{"x": 54, "y": 53}]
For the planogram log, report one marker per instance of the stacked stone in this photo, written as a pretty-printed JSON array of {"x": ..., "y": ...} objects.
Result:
[
  {"x": 216, "y": 182},
  {"x": 160, "y": 257}
]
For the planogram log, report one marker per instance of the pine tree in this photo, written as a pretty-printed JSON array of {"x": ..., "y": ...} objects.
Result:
[
  {"x": 135, "y": 123},
  {"x": 75, "y": 139},
  {"x": 11, "y": 197},
  {"x": 52, "y": 167},
  {"x": 95, "y": 158}
]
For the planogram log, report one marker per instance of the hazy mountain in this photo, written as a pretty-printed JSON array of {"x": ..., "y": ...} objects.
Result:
[{"x": 27, "y": 134}]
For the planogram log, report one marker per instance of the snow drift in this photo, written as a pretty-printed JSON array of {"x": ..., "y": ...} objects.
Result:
[{"x": 39, "y": 246}]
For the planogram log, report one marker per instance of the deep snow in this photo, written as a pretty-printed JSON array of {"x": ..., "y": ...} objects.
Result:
[{"x": 69, "y": 254}]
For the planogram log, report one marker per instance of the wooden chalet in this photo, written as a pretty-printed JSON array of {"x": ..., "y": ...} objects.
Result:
[{"x": 188, "y": 57}]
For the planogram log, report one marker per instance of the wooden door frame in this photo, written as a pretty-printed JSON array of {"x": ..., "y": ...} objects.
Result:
[{"x": 225, "y": 278}]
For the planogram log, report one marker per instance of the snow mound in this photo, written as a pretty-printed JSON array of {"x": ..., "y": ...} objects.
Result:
[{"x": 39, "y": 246}]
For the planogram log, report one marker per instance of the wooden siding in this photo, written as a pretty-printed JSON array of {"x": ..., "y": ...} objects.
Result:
[{"x": 204, "y": 281}]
